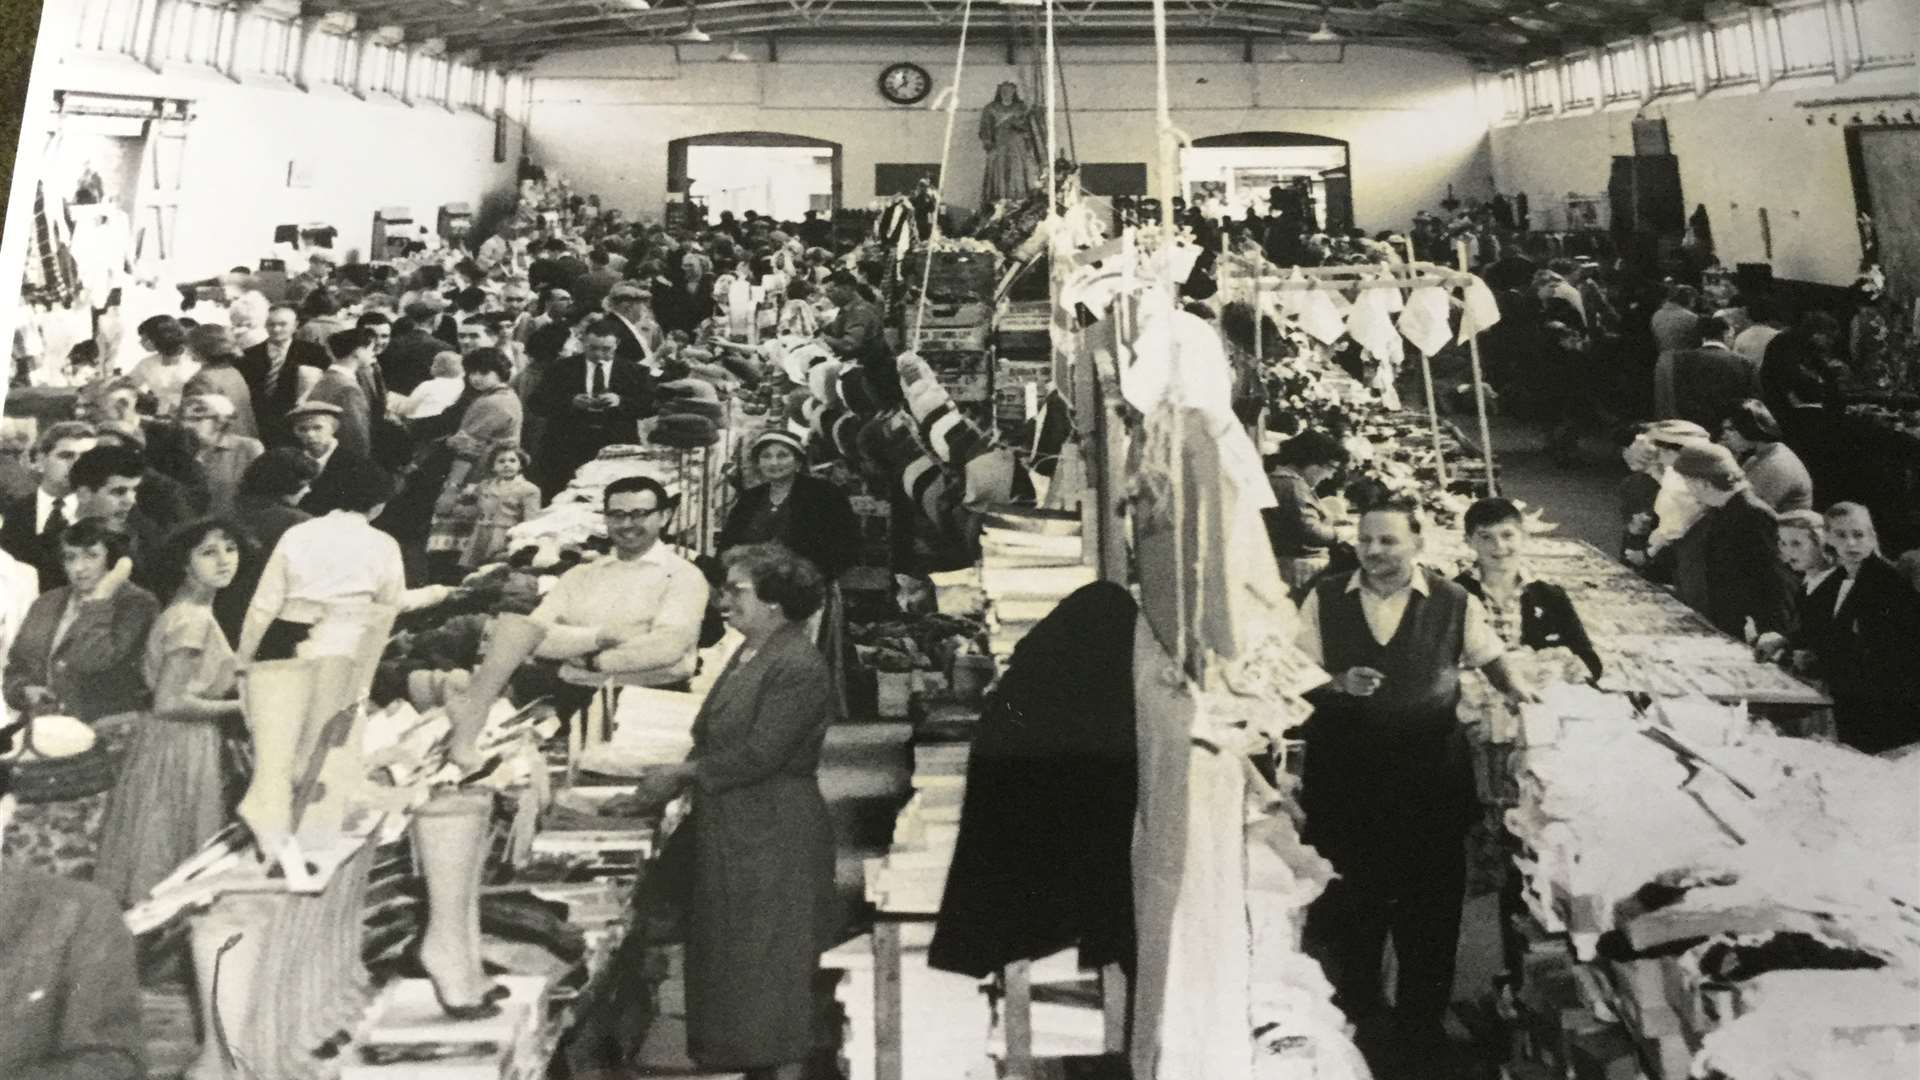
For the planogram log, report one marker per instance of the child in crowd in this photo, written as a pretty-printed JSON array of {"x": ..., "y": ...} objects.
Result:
[
  {"x": 1804, "y": 552},
  {"x": 502, "y": 500},
  {"x": 434, "y": 396},
  {"x": 1524, "y": 610}
]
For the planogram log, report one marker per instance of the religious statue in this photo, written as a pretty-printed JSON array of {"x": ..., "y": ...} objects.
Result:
[{"x": 1009, "y": 129}]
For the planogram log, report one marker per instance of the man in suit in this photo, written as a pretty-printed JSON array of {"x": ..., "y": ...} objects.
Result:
[
  {"x": 342, "y": 385},
  {"x": 106, "y": 481},
  {"x": 32, "y": 525},
  {"x": 272, "y": 370},
  {"x": 316, "y": 427},
  {"x": 1710, "y": 380},
  {"x": 636, "y": 334},
  {"x": 589, "y": 401}
]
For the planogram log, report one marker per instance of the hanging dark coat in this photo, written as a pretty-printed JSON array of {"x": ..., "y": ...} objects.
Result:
[{"x": 1044, "y": 858}]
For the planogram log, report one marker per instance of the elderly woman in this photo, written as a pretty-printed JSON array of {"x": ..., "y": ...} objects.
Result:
[
  {"x": 1777, "y": 474},
  {"x": 223, "y": 454},
  {"x": 169, "y": 798},
  {"x": 78, "y": 654},
  {"x": 247, "y": 317},
  {"x": 1869, "y": 650},
  {"x": 763, "y": 902}
]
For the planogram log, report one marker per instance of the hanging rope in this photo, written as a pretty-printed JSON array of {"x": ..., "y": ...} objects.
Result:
[
  {"x": 1053, "y": 142},
  {"x": 940, "y": 189}
]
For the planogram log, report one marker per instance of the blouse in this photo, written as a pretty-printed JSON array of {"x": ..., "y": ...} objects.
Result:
[{"x": 188, "y": 627}]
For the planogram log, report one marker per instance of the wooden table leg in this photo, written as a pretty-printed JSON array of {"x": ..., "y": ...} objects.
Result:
[
  {"x": 1019, "y": 1025},
  {"x": 887, "y": 1034},
  {"x": 1113, "y": 1005}
]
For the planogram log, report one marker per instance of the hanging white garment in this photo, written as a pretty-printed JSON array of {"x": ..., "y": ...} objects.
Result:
[
  {"x": 1191, "y": 987},
  {"x": 102, "y": 249},
  {"x": 1426, "y": 320},
  {"x": 1320, "y": 315},
  {"x": 1482, "y": 309}
]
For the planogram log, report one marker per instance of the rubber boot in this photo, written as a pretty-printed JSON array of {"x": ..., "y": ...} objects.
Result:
[{"x": 448, "y": 835}]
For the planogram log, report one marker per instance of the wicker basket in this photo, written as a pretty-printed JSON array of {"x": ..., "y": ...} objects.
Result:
[{"x": 47, "y": 780}]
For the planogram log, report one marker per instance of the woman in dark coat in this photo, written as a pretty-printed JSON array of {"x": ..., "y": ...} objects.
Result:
[
  {"x": 763, "y": 907},
  {"x": 809, "y": 515}
]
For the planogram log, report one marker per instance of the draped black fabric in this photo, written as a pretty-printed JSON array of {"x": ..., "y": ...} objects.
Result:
[{"x": 1044, "y": 855}]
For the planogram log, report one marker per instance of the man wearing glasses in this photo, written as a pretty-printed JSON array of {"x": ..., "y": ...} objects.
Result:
[{"x": 632, "y": 616}]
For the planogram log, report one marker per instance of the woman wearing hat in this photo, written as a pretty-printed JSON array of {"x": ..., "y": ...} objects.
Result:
[
  {"x": 223, "y": 454},
  {"x": 1727, "y": 567},
  {"x": 809, "y": 516}
]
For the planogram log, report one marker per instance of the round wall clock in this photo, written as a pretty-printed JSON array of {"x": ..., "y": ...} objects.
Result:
[{"x": 905, "y": 84}]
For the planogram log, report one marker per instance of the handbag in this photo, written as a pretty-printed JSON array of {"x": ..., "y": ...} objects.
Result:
[{"x": 63, "y": 779}]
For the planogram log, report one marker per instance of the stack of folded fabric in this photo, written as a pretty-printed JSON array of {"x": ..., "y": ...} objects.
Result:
[
  {"x": 913, "y": 874},
  {"x": 1030, "y": 560}
]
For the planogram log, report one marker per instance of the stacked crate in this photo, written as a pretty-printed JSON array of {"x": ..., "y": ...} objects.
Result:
[
  {"x": 956, "y": 318},
  {"x": 1023, "y": 356}
]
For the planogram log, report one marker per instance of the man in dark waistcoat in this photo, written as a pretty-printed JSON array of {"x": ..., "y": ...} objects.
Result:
[{"x": 1388, "y": 786}]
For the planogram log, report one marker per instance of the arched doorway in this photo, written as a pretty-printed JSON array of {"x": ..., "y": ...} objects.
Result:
[
  {"x": 738, "y": 169},
  {"x": 1294, "y": 172}
]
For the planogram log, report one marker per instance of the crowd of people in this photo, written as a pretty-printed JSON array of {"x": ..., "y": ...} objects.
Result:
[{"x": 372, "y": 436}]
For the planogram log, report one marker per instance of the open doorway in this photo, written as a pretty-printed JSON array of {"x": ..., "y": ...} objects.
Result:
[
  {"x": 770, "y": 173},
  {"x": 1297, "y": 175}
]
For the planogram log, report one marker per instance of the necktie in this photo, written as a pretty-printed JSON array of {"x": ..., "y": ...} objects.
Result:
[
  {"x": 598, "y": 385},
  {"x": 57, "y": 520},
  {"x": 276, "y": 361}
]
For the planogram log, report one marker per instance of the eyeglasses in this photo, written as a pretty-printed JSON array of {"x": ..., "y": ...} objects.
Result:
[{"x": 631, "y": 515}]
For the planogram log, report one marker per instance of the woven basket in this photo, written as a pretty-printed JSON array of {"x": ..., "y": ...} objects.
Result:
[{"x": 46, "y": 780}]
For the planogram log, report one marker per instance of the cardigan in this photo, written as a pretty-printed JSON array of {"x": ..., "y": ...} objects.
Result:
[
  {"x": 69, "y": 998},
  {"x": 1547, "y": 618},
  {"x": 95, "y": 669},
  {"x": 819, "y": 525}
]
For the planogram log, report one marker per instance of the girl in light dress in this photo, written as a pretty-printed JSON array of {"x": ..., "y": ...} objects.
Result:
[
  {"x": 170, "y": 798},
  {"x": 501, "y": 501}
]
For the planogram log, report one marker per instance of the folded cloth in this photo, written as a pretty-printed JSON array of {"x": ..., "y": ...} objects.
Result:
[{"x": 684, "y": 432}]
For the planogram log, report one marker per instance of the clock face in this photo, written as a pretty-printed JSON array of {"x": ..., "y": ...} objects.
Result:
[{"x": 905, "y": 84}]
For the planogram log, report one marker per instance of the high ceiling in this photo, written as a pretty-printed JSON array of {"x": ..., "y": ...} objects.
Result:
[{"x": 1493, "y": 31}]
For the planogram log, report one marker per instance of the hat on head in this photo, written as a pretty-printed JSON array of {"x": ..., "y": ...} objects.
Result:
[
  {"x": 1710, "y": 462},
  {"x": 779, "y": 437},
  {"x": 689, "y": 390},
  {"x": 323, "y": 255},
  {"x": 314, "y": 408},
  {"x": 1675, "y": 433},
  {"x": 206, "y": 407}
]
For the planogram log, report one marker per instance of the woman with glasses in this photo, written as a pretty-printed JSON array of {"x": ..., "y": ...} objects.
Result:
[{"x": 763, "y": 905}]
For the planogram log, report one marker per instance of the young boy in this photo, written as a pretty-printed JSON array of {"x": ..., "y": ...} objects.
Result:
[{"x": 1525, "y": 611}]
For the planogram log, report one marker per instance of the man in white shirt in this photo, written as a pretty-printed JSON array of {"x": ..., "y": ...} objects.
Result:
[
  {"x": 31, "y": 529},
  {"x": 1388, "y": 789},
  {"x": 632, "y": 617}
]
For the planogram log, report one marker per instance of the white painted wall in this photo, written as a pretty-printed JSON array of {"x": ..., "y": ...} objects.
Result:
[
  {"x": 604, "y": 117},
  {"x": 1739, "y": 151},
  {"x": 361, "y": 155}
]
